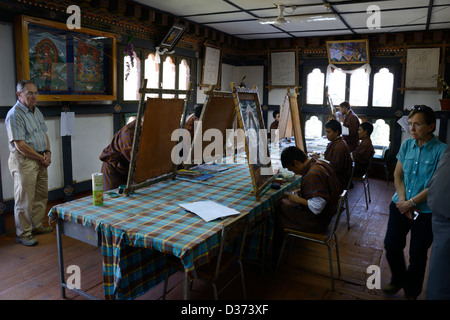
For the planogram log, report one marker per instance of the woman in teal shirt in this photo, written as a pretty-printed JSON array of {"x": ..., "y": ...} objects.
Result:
[{"x": 418, "y": 158}]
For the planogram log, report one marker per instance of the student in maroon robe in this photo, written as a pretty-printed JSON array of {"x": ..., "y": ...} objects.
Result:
[
  {"x": 337, "y": 152},
  {"x": 365, "y": 151},
  {"x": 350, "y": 121}
]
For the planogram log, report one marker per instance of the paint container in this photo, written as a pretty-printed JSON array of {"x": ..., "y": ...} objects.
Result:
[
  {"x": 97, "y": 189},
  {"x": 279, "y": 180}
]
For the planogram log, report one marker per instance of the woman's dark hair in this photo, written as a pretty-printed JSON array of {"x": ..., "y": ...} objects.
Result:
[
  {"x": 198, "y": 111},
  {"x": 334, "y": 125},
  {"x": 290, "y": 154},
  {"x": 274, "y": 114},
  {"x": 367, "y": 126},
  {"x": 428, "y": 113}
]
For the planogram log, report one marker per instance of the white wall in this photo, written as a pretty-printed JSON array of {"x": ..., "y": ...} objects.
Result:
[
  {"x": 92, "y": 134},
  {"x": 8, "y": 64}
]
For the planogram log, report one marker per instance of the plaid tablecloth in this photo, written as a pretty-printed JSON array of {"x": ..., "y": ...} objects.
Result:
[{"x": 138, "y": 231}]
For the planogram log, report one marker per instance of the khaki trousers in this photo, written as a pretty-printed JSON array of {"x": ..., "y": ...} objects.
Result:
[{"x": 30, "y": 192}]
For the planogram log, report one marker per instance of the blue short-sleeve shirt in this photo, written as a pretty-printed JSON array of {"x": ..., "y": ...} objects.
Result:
[
  {"x": 23, "y": 124},
  {"x": 419, "y": 164}
]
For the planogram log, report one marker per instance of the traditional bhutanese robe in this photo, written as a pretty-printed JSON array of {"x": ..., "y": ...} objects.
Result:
[
  {"x": 361, "y": 155},
  {"x": 319, "y": 180},
  {"x": 351, "y": 121},
  {"x": 338, "y": 155},
  {"x": 116, "y": 157},
  {"x": 189, "y": 125}
]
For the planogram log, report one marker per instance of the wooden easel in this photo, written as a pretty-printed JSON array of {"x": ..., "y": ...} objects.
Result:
[
  {"x": 241, "y": 97},
  {"x": 140, "y": 119}
]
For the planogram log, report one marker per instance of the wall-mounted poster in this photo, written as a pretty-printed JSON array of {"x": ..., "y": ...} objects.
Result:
[
  {"x": 66, "y": 65},
  {"x": 212, "y": 61},
  {"x": 348, "y": 51},
  {"x": 422, "y": 65},
  {"x": 283, "y": 71}
]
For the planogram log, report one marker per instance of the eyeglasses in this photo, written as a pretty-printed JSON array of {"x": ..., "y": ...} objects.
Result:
[{"x": 30, "y": 94}]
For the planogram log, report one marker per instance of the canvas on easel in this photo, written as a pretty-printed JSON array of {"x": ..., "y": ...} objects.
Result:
[
  {"x": 151, "y": 155},
  {"x": 291, "y": 122},
  {"x": 250, "y": 119},
  {"x": 218, "y": 113}
]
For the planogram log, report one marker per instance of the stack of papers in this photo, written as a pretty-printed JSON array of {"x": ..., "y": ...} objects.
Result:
[
  {"x": 208, "y": 210},
  {"x": 211, "y": 167}
]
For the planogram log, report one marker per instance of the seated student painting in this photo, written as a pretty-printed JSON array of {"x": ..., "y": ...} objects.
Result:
[
  {"x": 117, "y": 156},
  {"x": 275, "y": 123},
  {"x": 351, "y": 121},
  {"x": 190, "y": 121},
  {"x": 365, "y": 151},
  {"x": 312, "y": 207},
  {"x": 337, "y": 152}
]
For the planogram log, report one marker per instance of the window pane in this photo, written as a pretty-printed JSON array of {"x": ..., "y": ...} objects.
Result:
[
  {"x": 152, "y": 75},
  {"x": 380, "y": 134},
  {"x": 336, "y": 86},
  {"x": 313, "y": 128},
  {"x": 383, "y": 85},
  {"x": 359, "y": 88},
  {"x": 131, "y": 79},
  {"x": 183, "y": 77},
  {"x": 168, "y": 77},
  {"x": 315, "y": 88}
]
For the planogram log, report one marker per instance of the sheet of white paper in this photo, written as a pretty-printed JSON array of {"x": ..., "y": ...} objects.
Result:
[
  {"x": 67, "y": 123},
  {"x": 403, "y": 122},
  {"x": 208, "y": 210},
  {"x": 344, "y": 131}
]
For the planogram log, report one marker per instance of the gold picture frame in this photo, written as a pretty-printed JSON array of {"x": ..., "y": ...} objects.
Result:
[{"x": 66, "y": 65}]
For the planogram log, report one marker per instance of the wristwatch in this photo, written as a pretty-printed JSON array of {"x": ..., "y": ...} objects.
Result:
[
  {"x": 45, "y": 151},
  {"x": 412, "y": 201}
]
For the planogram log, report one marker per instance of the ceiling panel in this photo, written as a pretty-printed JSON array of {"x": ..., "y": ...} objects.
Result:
[{"x": 239, "y": 17}]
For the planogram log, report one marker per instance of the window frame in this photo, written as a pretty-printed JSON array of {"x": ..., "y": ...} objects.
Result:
[{"x": 142, "y": 54}]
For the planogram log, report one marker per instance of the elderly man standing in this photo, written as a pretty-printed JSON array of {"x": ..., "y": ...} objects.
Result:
[{"x": 29, "y": 158}]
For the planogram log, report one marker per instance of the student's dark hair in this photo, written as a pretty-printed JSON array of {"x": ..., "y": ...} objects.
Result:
[
  {"x": 198, "y": 111},
  {"x": 274, "y": 114},
  {"x": 428, "y": 113},
  {"x": 334, "y": 125},
  {"x": 367, "y": 126},
  {"x": 345, "y": 104},
  {"x": 290, "y": 154}
]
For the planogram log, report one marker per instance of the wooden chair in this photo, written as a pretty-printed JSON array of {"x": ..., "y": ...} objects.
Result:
[
  {"x": 382, "y": 159},
  {"x": 365, "y": 181},
  {"x": 233, "y": 236},
  {"x": 328, "y": 238}
]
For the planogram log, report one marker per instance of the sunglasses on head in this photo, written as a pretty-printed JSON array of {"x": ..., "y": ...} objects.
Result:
[{"x": 420, "y": 107}]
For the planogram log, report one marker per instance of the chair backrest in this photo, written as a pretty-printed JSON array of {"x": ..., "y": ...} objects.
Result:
[
  {"x": 351, "y": 176},
  {"x": 232, "y": 230},
  {"x": 337, "y": 216}
]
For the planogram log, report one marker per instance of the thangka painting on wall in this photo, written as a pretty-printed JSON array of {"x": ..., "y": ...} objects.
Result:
[
  {"x": 66, "y": 65},
  {"x": 88, "y": 64},
  {"x": 48, "y": 59}
]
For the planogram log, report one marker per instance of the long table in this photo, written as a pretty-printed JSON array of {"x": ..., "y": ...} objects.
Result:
[{"x": 136, "y": 233}]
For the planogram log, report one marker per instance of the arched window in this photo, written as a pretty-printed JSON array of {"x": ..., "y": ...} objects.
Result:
[
  {"x": 152, "y": 74},
  {"x": 359, "y": 88},
  {"x": 313, "y": 128},
  {"x": 380, "y": 134},
  {"x": 168, "y": 76},
  {"x": 315, "y": 87},
  {"x": 131, "y": 79},
  {"x": 336, "y": 86},
  {"x": 183, "y": 77},
  {"x": 383, "y": 86}
]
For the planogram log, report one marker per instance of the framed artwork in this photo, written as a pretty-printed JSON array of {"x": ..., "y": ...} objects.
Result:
[
  {"x": 212, "y": 60},
  {"x": 173, "y": 36},
  {"x": 348, "y": 51},
  {"x": 283, "y": 69},
  {"x": 66, "y": 65},
  {"x": 250, "y": 119}
]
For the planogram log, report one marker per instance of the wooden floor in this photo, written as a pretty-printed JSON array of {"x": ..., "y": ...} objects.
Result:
[{"x": 31, "y": 273}]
